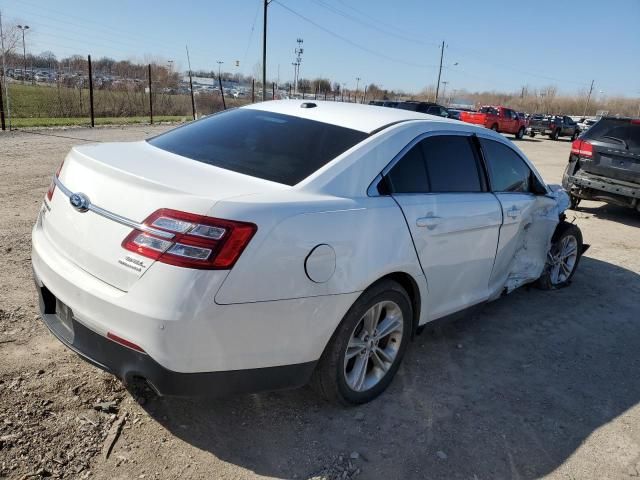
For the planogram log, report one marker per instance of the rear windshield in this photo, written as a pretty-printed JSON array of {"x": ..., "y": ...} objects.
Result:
[
  {"x": 614, "y": 131},
  {"x": 271, "y": 146}
]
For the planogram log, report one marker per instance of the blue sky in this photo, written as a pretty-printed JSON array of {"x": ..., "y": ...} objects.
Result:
[{"x": 498, "y": 45}]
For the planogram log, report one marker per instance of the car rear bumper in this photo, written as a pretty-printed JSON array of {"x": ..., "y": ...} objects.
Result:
[
  {"x": 128, "y": 364},
  {"x": 605, "y": 184},
  {"x": 192, "y": 344},
  {"x": 537, "y": 129}
]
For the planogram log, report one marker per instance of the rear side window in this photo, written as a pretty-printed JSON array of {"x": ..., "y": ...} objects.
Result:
[
  {"x": 622, "y": 132},
  {"x": 271, "y": 146},
  {"x": 440, "y": 164},
  {"x": 409, "y": 175},
  {"x": 507, "y": 171},
  {"x": 451, "y": 164}
]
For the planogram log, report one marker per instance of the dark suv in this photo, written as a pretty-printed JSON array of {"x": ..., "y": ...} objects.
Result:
[
  {"x": 424, "y": 107},
  {"x": 604, "y": 164}
]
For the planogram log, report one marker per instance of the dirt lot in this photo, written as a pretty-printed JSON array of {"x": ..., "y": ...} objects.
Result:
[{"x": 540, "y": 384}]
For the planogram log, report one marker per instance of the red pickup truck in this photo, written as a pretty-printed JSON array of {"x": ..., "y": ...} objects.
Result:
[{"x": 500, "y": 119}]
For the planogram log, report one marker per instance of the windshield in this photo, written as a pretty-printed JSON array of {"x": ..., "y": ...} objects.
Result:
[{"x": 271, "y": 146}]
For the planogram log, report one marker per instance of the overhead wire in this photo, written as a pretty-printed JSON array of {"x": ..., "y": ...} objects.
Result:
[
  {"x": 349, "y": 41},
  {"x": 476, "y": 54},
  {"x": 355, "y": 19}
]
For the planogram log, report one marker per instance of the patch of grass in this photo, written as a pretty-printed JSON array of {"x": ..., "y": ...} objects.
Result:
[{"x": 84, "y": 121}]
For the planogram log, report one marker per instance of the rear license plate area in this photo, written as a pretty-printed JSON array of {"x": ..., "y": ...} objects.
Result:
[{"x": 65, "y": 318}]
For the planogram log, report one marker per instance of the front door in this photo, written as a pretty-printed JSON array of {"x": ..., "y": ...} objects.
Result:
[
  {"x": 454, "y": 221},
  {"x": 529, "y": 218}
]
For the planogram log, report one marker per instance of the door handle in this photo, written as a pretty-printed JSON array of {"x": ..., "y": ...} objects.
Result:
[
  {"x": 430, "y": 221},
  {"x": 514, "y": 212}
]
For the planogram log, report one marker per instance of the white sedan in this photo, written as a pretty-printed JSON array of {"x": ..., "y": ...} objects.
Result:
[{"x": 288, "y": 241}]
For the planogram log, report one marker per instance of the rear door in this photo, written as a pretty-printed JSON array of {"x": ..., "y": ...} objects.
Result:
[
  {"x": 528, "y": 217},
  {"x": 616, "y": 149},
  {"x": 453, "y": 219}
]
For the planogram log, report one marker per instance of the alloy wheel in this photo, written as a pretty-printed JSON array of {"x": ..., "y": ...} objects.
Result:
[
  {"x": 373, "y": 346},
  {"x": 562, "y": 259}
]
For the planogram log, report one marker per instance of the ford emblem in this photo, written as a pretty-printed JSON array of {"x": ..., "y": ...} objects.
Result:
[{"x": 79, "y": 201}]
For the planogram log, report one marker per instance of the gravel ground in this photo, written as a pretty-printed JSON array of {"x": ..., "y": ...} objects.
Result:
[{"x": 539, "y": 384}]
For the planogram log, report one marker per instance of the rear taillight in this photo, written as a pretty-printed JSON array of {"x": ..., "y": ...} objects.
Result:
[
  {"x": 126, "y": 343},
  {"x": 52, "y": 187},
  {"x": 582, "y": 148},
  {"x": 195, "y": 241}
]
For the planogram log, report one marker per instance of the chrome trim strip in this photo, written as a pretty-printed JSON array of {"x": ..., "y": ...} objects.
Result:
[{"x": 114, "y": 216}]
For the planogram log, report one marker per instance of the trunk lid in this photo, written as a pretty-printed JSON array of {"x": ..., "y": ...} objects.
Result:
[{"x": 131, "y": 180}]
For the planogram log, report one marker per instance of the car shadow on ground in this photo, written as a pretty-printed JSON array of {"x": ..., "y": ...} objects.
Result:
[
  {"x": 606, "y": 211},
  {"x": 511, "y": 392}
]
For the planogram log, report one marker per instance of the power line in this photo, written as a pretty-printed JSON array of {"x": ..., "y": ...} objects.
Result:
[
  {"x": 107, "y": 31},
  {"x": 348, "y": 16},
  {"x": 476, "y": 53},
  {"x": 351, "y": 42},
  {"x": 253, "y": 27}
]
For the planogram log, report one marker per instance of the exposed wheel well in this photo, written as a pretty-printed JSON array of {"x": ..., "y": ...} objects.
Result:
[{"x": 411, "y": 287}]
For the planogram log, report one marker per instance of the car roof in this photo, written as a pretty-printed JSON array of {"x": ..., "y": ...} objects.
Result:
[{"x": 356, "y": 116}]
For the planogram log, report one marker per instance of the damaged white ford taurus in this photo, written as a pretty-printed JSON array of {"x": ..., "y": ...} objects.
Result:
[{"x": 283, "y": 242}]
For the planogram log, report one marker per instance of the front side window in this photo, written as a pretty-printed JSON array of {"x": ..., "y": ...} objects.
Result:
[
  {"x": 507, "y": 171},
  {"x": 451, "y": 164}
]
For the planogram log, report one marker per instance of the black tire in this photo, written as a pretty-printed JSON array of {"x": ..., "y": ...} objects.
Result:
[
  {"x": 564, "y": 229},
  {"x": 555, "y": 134},
  {"x": 329, "y": 376},
  {"x": 520, "y": 134},
  {"x": 532, "y": 134},
  {"x": 494, "y": 127},
  {"x": 575, "y": 201}
]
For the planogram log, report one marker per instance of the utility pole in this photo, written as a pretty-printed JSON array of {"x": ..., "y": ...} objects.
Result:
[
  {"x": 150, "y": 98},
  {"x": 357, "y": 86},
  {"x": 4, "y": 73},
  {"x": 584, "y": 114},
  {"x": 93, "y": 121},
  {"x": 24, "y": 51},
  {"x": 193, "y": 101},
  {"x": 439, "y": 71},
  {"x": 444, "y": 89},
  {"x": 219, "y": 62},
  {"x": 295, "y": 73},
  {"x": 264, "y": 52},
  {"x": 296, "y": 64}
]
